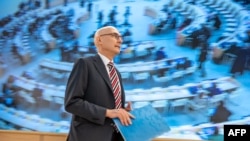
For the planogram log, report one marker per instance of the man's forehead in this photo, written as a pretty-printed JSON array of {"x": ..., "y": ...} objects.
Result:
[{"x": 109, "y": 30}]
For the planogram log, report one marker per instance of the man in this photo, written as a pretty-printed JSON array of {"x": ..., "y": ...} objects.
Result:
[
  {"x": 160, "y": 54},
  {"x": 89, "y": 94},
  {"x": 221, "y": 114},
  {"x": 127, "y": 37},
  {"x": 204, "y": 34},
  {"x": 100, "y": 18},
  {"x": 203, "y": 58}
]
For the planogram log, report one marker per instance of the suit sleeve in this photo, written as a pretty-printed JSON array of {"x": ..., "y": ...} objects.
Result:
[{"x": 74, "y": 95}]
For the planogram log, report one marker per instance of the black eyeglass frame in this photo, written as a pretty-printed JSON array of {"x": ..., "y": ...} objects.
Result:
[{"x": 116, "y": 35}]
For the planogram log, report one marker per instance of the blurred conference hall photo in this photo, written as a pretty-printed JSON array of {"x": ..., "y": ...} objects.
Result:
[{"x": 189, "y": 59}]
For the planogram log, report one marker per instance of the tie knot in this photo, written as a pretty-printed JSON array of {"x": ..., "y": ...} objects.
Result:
[{"x": 110, "y": 65}]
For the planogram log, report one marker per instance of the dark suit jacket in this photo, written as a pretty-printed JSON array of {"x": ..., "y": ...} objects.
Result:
[{"x": 88, "y": 95}]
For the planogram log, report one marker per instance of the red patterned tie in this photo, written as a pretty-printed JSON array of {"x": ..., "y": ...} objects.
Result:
[{"x": 115, "y": 85}]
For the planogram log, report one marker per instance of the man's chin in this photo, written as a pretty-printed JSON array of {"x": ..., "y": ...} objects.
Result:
[{"x": 118, "y": 51}]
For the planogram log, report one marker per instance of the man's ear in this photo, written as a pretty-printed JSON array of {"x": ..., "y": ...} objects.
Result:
[{"x": 99, "y": 40}]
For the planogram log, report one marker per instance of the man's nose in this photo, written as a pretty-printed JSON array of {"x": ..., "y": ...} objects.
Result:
[{"x": 120, "y": 40}]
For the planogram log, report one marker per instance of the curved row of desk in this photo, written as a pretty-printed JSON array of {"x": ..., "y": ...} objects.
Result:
[
  {"x": 144, "y": 66},
  {"x": 172, "y": 66},
  {"x": 21, "y": 38},
  {"x": 225, "y": 84},
  {"x": 190, "y": 132},
  {"x": 31, "y": 121},
  {"x": 182, "y": 8},
  {"x": 36, "y": 123},
  {"x": 237, "y": 23}
]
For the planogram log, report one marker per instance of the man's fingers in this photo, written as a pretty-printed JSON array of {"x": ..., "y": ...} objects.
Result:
[
  {"x": 132, "y": 116},
  {"x": 125, "y": 117}
]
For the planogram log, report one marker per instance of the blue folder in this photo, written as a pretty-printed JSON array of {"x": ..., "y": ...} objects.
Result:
[{"x": 147, "y": 125}]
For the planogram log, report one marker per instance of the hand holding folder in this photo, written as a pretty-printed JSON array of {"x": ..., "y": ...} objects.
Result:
[
  {"x": 123, "y": 115},
  {"x": 147, "y": 125}
]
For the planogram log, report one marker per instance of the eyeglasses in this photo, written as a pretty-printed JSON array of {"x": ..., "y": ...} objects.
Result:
[{"x": 115, "y": 35}]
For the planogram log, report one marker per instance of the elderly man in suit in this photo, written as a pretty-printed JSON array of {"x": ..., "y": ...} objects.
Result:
[{"x": 94, "y": 96}]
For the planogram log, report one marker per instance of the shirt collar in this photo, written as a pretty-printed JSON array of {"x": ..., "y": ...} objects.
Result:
[{"x": 105, "y": 59}]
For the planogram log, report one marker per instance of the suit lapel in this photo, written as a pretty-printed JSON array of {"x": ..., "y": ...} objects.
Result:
[{"x": 100, "y": 67}]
